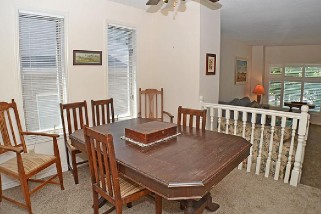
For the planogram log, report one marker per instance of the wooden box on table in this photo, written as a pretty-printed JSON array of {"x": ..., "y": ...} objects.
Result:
[{"x": 150, "y": 132}]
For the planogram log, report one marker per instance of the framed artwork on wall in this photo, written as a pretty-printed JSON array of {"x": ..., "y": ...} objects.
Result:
[
  {"x": 83, "y": 57},
  {"x": 240, "y": 70},
  {"x": 210, "y": 64}
]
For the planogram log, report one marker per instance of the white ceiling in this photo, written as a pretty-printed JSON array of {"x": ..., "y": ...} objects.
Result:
[{"x": 266, "y": 22}]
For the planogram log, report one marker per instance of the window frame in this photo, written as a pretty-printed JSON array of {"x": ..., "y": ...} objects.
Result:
[
  {"x": 64, "y": 59},
  {"x": 283, "y": 78},
  {"x": 133, "y": 96}
]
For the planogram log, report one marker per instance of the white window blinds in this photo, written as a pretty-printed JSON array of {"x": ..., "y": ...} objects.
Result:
[
  {"x": 121, "y": 69},
  {"x": 42, "y": 67}
]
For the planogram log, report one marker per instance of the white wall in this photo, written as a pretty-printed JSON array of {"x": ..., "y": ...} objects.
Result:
[
  {"x": 210, "y": 43},
  {"x": 230, "y": 49},
  {"x": 168, "y": 50}
]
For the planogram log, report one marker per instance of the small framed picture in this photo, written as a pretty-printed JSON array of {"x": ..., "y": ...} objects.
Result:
[
  {"x": 83, "y": 57},
  {"x": 210, "y": 64},
  {"x": 240, "y": 71}
]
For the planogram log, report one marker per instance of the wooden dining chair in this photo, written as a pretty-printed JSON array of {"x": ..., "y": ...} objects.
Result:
[
  {"x": 185, "y": 114},
  {"x": 105, "y": 178},
  {"x": 25, "y": 165},
  {"x": 151, "y": 105},
  {"x": 73, "y": 116},
  {"x": 102, "y": 111}
]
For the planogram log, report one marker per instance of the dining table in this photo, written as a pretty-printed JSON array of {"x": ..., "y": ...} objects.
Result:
[{"x": 182, "y": 168}]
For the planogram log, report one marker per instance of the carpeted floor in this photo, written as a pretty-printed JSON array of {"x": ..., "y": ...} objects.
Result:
[
  {"x": 238, "y": 193},
  {"x": 311, "y": 171}
]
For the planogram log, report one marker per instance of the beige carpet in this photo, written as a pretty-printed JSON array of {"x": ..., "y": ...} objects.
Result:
[
  {"x": 238, "y": 193},
  {"x": 311, "y": 174}
]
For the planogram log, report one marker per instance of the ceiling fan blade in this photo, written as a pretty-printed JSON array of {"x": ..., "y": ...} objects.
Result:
[
  {"x": 213, "y": 1},
  {"x": 153, "y": 2}
]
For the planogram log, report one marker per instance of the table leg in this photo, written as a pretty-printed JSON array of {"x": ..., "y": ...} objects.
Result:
[{"x": 197, "y": 207}]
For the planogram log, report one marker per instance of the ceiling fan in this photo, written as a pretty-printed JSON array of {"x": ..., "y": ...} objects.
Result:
[{"x": 155, "y": 2}]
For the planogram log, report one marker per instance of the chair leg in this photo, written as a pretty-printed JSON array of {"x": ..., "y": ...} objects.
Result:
[
  {"x": 25, "y": 190},
  {"x": 119, "y": 208},
  {"x": 68, "y": 158},
  {"x": 158, "y": 204},
  {"x": 74, "y": 167},
  {"x": 59, "y": 172},
  {"x": 95, "y": 199}
]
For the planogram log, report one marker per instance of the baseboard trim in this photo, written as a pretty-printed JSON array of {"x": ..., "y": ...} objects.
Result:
[{"x": 14, "y": 183}]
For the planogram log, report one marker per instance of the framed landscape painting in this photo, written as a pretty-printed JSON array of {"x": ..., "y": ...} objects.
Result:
[
  {"x": 240, "y": 71},
  {"x": 83, "y": 57}
]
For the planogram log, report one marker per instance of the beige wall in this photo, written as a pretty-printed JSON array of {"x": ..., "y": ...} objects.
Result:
[
  {"x": 168, "y": 50},
  {"x": 230, "y": 49}
]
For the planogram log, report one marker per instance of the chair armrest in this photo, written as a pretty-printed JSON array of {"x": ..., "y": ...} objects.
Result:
[
  {"x": 53, "y": 136},
  {"x": 12, "y": 149},
  {"x": 41, "y": 134},
  {"x": 169, "y": 115}
]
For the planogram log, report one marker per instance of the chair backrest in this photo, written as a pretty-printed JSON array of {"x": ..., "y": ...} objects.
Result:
[
  {"x": 102, "y": 111},
  {"x": 102, "y": 162},
  {"x": 73, "y": 117},
  {"x": 10, "y": 126},
  {"x": 191, "y": 113},
  {"x": 151, "y": 103}
]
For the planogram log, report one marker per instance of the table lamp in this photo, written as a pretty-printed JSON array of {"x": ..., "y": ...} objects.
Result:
[{"x": 259, "y": 91}]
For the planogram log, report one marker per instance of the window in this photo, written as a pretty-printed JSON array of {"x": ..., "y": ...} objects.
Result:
[
  {"x": 296, "y": 83},
  {"x": 41, "y": 46},
  {"x": 121, "y": 69}
]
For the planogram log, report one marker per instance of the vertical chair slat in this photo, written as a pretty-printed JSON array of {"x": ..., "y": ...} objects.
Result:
[
  {"x": 249, "y": 159},
  {"x": 74, "y": 112},
  {"x": 108, "y": 108},
  {"x": 107, "y": 171},
  {"x": 12, "y": 130},
  {"x": 98, "y": 115},
  {"x": 80, "y": 116},
  {"x": 259, "y": 157},
  {"x": 278, "y": 163},
  {"x": 103, "y": 115},
  {"x": 268, "y": 162},
  {"x": 70, "y": 131},
  {"x": 94, "y": 155},
  {"x": 191, "y": 120},
  {"x": 100, "y": 166}
]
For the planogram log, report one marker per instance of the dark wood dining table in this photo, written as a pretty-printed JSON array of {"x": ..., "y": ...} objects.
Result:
[{"x": 184, "y": 168}]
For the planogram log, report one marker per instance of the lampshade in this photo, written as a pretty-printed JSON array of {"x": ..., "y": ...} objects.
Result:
[{"x": 259, "y": 89}]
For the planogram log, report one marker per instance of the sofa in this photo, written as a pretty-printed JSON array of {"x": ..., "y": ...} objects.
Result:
[{"x": 245, "y": 102}]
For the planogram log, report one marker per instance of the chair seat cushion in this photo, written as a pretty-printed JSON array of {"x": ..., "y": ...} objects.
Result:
[
  {"x": 128, "y": 187},
  {"x": 31, "y": 162}
]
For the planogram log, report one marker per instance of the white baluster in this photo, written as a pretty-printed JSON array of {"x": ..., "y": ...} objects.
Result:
[
  {"x": 268, "y": 162},
  {"x": 278, "y": 163},
  {"x": 259, "y": 157},
  {"x": 296, "y": 173},
  {"x": 219, "y": 119},
  {"x": 288, "y": 166},
  {"x": 227, "y": 120},
  {"x": 244, "y": 119},
  {"x": 304, "y": 145},
  {"x": 236, "y": 118},
  {"x": 212, "y": 118},
  {"x": 249, "y": 158}
]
